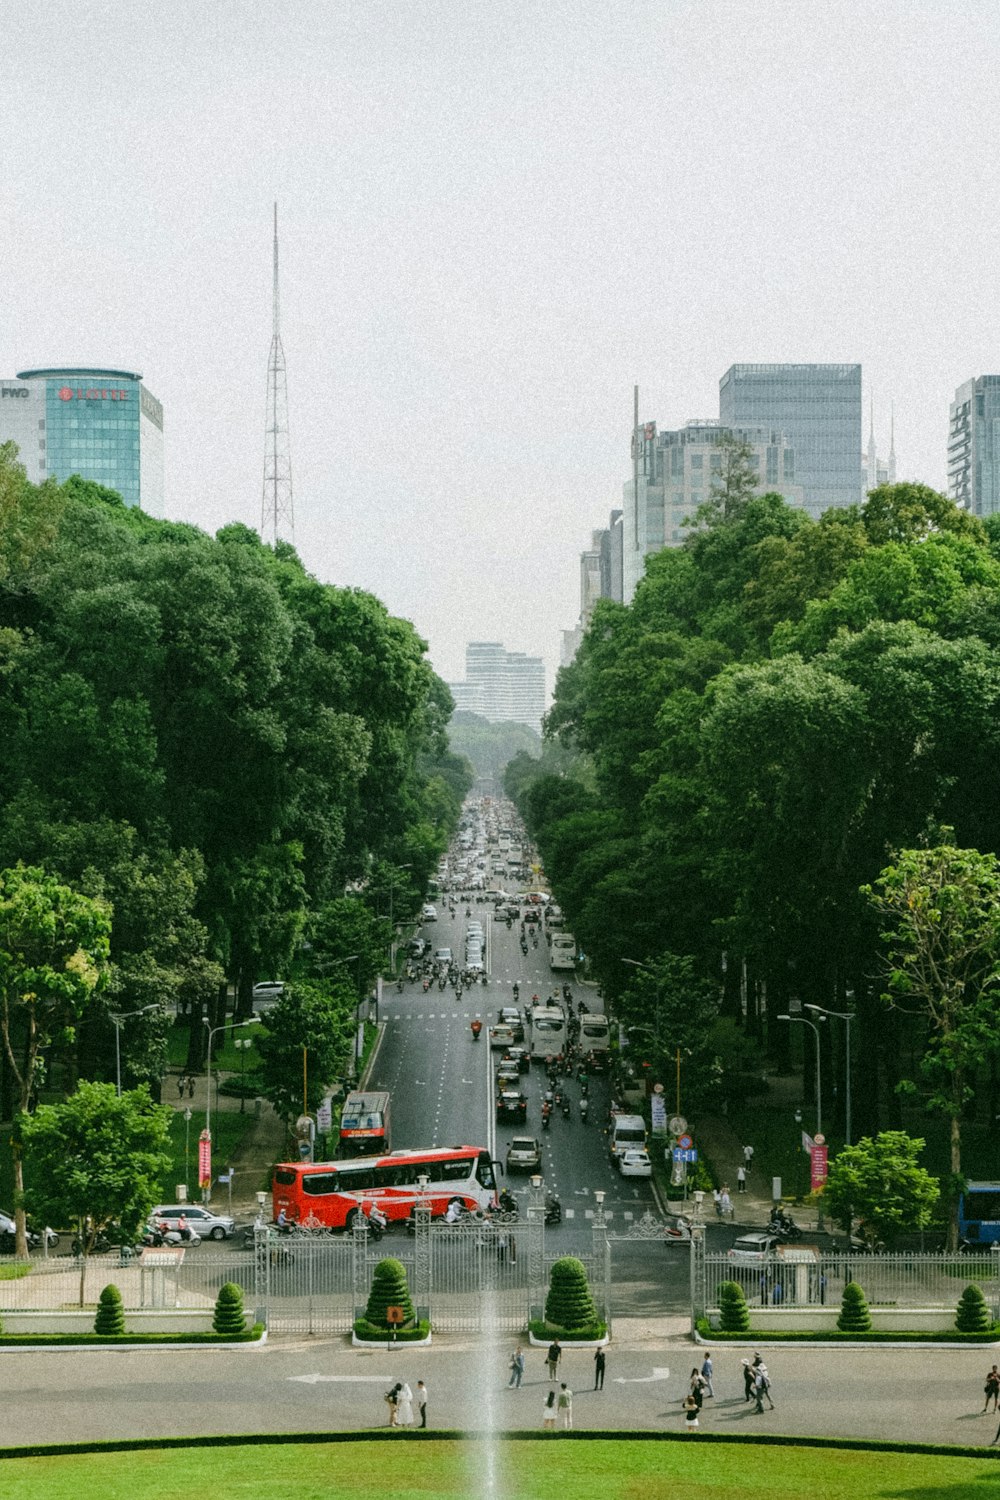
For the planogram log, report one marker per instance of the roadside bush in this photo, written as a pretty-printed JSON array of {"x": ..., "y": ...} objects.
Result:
[
  {"x": 543, "y": 1330},
  {"x": 569, "y": 1304},
  {"x": 854, "y": 1314},
  {"x": 973, "y": 1315},
  {"x": 389, "y": 1289},
  {"x": 374, "y": 1334},
  {"x": 229, "y": 1317},
  {"x": 110, "y": 1320},
  {"x": 734, "y": 1315}
]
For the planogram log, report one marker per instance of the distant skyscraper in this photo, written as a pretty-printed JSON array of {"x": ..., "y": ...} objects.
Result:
[
  {"x": 101, "y": 424},
  {"x": 875, "y": 470},
  {"x": 676, "y": 472},
  {"x": 818, "y": 408},
  {"x": 974, "y": 446},
  {"x": 509, "y": 685},
  {"x": 277, "y": 517}
]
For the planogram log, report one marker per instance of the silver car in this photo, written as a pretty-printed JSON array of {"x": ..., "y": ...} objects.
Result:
[{"x": 200, "y": 1220}]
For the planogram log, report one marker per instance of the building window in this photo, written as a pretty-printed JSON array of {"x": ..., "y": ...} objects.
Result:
[{"x": 697, "y": 460}]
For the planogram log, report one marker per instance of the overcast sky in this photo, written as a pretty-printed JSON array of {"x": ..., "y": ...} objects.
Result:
[{"x": 495, "y": 218}]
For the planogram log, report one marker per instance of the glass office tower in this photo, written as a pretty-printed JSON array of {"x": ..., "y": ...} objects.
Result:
[
  {"x": 818, "y": 408},
  {"x": 101, "y": 424},
  {"x": 974, "y": 446}
]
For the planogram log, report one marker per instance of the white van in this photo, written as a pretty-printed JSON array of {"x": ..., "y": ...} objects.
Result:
[{"x": 627, "y": 1133}]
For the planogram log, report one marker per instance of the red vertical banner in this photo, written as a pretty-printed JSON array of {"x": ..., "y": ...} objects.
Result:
[
  {"x": 205, "y": 1159},
  {"x": 818, "y": 1159}
]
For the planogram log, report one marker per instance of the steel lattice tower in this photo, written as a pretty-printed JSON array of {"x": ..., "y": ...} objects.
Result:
[{"x": 276, "y": 515}]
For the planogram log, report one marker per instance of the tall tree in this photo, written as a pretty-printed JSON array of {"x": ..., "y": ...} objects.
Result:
[
  {"x": 54, "y": 946},
  {"x": 940, "y": 915}
]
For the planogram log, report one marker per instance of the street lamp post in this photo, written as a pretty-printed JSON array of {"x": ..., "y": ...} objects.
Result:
[
  {"x": 116, "y": 1021},
  {"x": 242, "y": 1045},
  {"x": 847, "y": 1017},
  {"x": 803, "y": 1021},
  {"x": 206, "y": 1193},
  {"x": 187, "y": 1150}
]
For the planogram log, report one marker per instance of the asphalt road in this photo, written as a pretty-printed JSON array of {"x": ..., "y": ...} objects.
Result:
[
  {"x": 318, "y": 1385},
  {"x": 441, "y": 1082}
]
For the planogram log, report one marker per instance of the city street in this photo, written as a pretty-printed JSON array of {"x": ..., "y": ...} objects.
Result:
[{"x": 441, "y": 1082}]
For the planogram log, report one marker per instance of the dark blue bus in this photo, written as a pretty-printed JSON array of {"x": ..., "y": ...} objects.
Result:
[{"x": 979, "y": 1213}]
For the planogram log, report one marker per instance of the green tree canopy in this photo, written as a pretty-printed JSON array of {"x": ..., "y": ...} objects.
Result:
[{"x": 880, "y": 1182}]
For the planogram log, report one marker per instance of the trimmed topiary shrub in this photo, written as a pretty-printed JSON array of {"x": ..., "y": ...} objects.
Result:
[
  {"x": 734, "y": 1315},
  {"x": 569, "y": 1303},
  {"x": 973, "y": 1315},
  {"x": 854, "y": 1314},
  {"x": 229, "y": 1316},
  {"x": 110, "y": 1320},
  {"x": 389, "y": 1289}
]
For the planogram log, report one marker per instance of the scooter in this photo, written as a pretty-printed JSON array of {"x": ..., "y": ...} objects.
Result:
[
  {"x": 553, "y": 1209},
  {"x": 546, "y": 1116},
  {"x": 476, "y": 1027},
  {"x": 567, "y": 1113}
]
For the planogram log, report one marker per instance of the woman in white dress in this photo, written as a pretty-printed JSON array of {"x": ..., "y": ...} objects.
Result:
[{"x": 404, "y": 1406}]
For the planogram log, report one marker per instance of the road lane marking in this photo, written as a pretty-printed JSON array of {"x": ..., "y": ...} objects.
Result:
[
  {"x": 312, "y": 1379},
  {"x": 660, "y": 1372}
]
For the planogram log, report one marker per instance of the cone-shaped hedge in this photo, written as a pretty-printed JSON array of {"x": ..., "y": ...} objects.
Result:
[
  {"x": 973, "y": 1315},
  {"x": 229, "y": 1316},
  {"x": 854, "y": 1314},
  {"x": 389, "y": 1289},
  {"x": 734, "y": 1313},
  {"x": 569, "y": 1304},
  {"x": 110, "y": 1318}
]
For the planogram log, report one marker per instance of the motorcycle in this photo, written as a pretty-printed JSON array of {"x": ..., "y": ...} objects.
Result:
[
  {"x": 546, "y": 1116},
  {"x": 584, "y": 1109},
  {"x": 553, "y": 1209},
  {"x": 783, "y": 1226},
  {"x": 567, "y": 1113},
  {"x": 476, "y": 1027}
]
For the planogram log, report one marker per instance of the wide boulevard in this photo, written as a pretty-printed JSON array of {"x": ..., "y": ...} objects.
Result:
[{"x": 442, "y": 1086}]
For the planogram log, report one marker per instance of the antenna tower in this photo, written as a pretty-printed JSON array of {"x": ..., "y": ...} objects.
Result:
[{"x": 276, "y": 514}]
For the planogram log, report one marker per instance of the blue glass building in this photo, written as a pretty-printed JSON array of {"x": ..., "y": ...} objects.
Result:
[
  {"x": 101, "y": 424},
  {"x": 818, "y": 408}
]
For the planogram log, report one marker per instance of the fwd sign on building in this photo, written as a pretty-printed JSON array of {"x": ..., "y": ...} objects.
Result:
[{"x": 13, "y": 391}]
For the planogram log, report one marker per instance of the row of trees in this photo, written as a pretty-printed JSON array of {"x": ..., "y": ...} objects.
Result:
[
  {"x": 233, "y": 770},
  {"x": 735, "y": 758}
]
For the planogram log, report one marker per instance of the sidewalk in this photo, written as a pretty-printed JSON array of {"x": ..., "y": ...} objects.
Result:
[
  {"x": 263, "y": 1144},
  {"x": 718, "y": 1140}
]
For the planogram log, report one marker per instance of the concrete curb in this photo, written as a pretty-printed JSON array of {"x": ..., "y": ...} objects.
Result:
[{"x": 853, "y": 1344}]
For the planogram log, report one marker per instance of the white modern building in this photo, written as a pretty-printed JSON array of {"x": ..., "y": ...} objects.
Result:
[{"x": 503, "y": 686}]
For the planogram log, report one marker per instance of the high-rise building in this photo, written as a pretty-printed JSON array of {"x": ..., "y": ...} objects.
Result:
[
  {"x": 875, "y": 470},
  {"x": 974, "y": 446},
  {"x": 818, "y": 408},
  {"x": 677, "y": 470},
  {"x": 509, "y": 686},
  {"x": 101, "y": 424},
  {"x": 611, "y": 558}
]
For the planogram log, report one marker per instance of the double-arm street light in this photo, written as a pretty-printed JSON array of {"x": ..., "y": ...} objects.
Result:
[
  {"x": 213, "y": 1031},
  {"x": 847, "y": 1017},
  {"x": 804, "y": 1021},
  {"x": 117, "y": 1020}
]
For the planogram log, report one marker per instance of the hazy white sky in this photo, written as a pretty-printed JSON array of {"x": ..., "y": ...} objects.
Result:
[{"x": 495, "y": 218}]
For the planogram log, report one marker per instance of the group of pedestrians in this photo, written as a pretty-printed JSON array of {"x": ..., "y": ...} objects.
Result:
[
  {"x": 185, "y": 1084},
  {"x": 399, "y": 1400},
  {"x": 558, "y": 1403}
]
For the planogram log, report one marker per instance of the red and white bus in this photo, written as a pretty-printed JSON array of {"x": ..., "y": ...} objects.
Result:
[
  {"x": 365, "y": 1125},
  {"x": 335, "y": 1192}
]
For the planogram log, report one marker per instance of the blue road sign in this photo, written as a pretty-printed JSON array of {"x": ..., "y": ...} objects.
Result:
[{"x": 681, "y": 1155}]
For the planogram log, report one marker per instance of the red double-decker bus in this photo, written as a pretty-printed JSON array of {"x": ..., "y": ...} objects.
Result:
[{"x": 333, "y": 1193}]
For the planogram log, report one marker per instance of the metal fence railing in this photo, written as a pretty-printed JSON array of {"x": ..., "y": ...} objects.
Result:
[
  {"x": 928, "y": 1280},
  {"x": 468, "y": 1277}
]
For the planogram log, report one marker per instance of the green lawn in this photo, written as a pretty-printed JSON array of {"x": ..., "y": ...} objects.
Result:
[
  {"x": 546, "y": 1469},
  {"x": 228, "y": 1129}
]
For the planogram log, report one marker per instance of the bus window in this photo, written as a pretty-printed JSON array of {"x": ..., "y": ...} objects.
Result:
[
  {"x": 284, "y": 1178},
  {"x": 318, "y": 1183},
  {"x": 484, "y": 1171},
  {"x": 453, "y": 1171}
]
